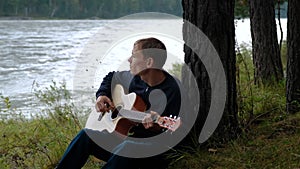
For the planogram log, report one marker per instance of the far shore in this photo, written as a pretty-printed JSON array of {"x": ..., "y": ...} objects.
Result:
[
  {"x": 15, "y": 18},
  {"x": 44, "y": 18}
]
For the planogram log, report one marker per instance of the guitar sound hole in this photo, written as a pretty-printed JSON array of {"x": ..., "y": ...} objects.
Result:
[{"x": 115, "y": 113}]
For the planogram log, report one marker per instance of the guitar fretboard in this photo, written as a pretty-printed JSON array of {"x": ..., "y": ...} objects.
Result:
[{"x": 133, "y": 115}]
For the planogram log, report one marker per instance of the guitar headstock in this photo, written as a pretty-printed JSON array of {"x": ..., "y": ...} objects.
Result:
[{"x": 170, "y": 123}]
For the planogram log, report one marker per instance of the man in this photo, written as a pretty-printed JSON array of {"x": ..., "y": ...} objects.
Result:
[{"x": 162, "y": 96}]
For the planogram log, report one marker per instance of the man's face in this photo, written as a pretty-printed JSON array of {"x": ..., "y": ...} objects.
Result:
[{"x": 137, "y": 61}]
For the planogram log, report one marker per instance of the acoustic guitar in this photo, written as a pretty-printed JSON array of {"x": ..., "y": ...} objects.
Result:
[{"x": 130, "y": 110}]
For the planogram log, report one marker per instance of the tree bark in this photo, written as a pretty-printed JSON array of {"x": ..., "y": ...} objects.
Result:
[
  {"x": 265, "y": 49},
  {"x": 293, "y": 63},
  {"x": 215, "y": 18}
]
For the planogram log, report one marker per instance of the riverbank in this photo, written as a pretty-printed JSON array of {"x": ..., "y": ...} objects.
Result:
[
  {"x": 45, "y": 18},
  {"x": 15, "y": 18}
]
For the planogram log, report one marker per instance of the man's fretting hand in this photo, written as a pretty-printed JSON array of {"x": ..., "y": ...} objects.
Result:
[
  {"x": 149, "y": 119},
  {"x": 104, "y": 104}
]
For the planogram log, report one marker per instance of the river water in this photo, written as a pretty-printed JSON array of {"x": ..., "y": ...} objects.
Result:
[{"x": 41, "y": 51}]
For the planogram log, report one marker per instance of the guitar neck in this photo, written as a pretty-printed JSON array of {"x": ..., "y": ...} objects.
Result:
[
  {"x": 166, "y": 122},
  {"x": 133, "y": 115}
]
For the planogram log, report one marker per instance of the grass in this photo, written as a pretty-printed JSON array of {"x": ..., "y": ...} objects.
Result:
[
  {"x": 270, "y": 144},
  {"x": 270, "y": 137},
  {"x": 39, "y": 142}
]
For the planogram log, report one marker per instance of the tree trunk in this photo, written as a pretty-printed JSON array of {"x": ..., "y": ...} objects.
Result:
[
  {"x": 215, "y": 18},
  {"x": 265, "y": 49},
  {"x": 293, "y": 63}
]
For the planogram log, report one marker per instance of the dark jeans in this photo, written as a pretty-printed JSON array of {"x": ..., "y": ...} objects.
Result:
[{"x": 84, "y": 145}]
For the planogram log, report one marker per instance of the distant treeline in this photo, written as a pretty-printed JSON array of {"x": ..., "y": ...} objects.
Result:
[
  {"x": 80, "y": 9},
  {"x": 106, "y": 9}
]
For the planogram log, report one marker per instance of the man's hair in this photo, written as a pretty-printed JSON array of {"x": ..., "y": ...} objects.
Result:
[{"x": 154, "y": 48}]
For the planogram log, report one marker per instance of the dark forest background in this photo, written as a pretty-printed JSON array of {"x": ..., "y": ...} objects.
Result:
[{"x": 101, "y": 9}]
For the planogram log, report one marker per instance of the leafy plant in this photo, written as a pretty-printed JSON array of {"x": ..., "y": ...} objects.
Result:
[
  {"x": 40, "y": 141},
  {"x": 176, "y": 70}
]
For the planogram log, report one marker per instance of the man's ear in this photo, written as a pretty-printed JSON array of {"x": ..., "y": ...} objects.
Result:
[{"x": 150, "y": 62}]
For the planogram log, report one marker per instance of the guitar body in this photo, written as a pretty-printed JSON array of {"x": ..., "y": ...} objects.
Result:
[{"x": 112, "y": 121}]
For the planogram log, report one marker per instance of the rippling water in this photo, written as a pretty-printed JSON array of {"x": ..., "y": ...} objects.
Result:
[{"x": 39, "y": 51}]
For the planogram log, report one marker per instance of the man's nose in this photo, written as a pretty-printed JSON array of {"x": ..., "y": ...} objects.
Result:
[{"x": 129, "y": 59}]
